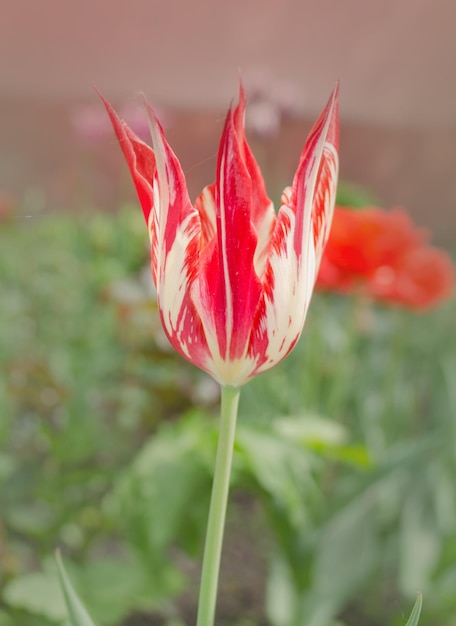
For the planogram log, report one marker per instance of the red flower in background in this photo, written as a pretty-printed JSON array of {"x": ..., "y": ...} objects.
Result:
[{"x": 384, "y": 255}]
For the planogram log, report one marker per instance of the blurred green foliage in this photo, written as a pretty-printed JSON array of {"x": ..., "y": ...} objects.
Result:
[{"x": 344, "y": 463}]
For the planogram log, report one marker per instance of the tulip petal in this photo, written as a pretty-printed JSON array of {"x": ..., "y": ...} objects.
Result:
[
  {"x": 298, "y": 240},
  {"x": 178, "y": 256},
  {"x": 315, "y": 181},
  {"x": 228, "y": 291},
  {"x": 141, "y": 162},
  {"x": 262, "y": 208},
  {"x": 205, "y": 205},
  {"x": 175, "y": 232},
  {"x": 174, "y": 205}
]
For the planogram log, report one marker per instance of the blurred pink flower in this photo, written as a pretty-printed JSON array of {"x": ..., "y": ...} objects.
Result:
[
  {"x": 271, "y": 100},
  {"x": 92, "y": 127}
]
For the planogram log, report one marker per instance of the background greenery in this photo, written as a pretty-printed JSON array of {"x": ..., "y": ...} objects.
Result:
[{"x": 343, "y": 503}]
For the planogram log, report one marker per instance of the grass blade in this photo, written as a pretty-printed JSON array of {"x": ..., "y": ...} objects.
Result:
[
  {"x": 76, "y": 611},
  {"x": 415, "y": 614}
]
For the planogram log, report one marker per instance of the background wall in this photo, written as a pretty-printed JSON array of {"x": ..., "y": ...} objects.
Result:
[{"x": 395, "y": 61}]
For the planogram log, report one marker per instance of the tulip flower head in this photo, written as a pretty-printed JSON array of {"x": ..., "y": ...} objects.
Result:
[
  {"x": 383, "y": 255},
  {"x": 234, "y": 280}
]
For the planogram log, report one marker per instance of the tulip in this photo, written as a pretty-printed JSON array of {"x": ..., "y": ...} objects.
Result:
[
  {"x": 233, "y": 279},
  {"x": 383, "y": 255}
]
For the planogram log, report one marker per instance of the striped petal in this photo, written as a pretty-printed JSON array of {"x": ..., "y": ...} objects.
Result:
[
  {"x": 205, "y": 205},
  {"x": 141, "y": 162},
  {"x": 315, "y": 181},
  {"x": 178, "y": 252},
  {"x": 228, "y": 290},
  {"x": 262, "y": 208},
  {"x": 299, "y": 236},
  {"x": 175, "y": 234}
]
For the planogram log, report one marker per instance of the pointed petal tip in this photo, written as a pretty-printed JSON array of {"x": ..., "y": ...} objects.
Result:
[
  {"x": 119, "y": 125},
  {"x": 154, "y": 123},
  {"x": 242, "y": 95},
  {"x": 331, "y": 115},
  {"x": 121, "y": 128},
  {"x": 107, "y": 105},
  {"x": 109, "y": 108},
  {"x": 333, "y": 102},
  {"x": 335, "y": 97}
]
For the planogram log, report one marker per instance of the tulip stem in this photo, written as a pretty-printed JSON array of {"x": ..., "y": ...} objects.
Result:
[{"x": 217, "y": 508}]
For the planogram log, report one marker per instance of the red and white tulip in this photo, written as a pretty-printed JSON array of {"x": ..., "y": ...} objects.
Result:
[{"x": 234, "y": 280}]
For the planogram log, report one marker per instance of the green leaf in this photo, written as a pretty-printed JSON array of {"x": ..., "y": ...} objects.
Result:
[
  {"x": 76, "y": 611},
  {"x": 355, "y": 196},
  {"x": 5, "y": 620},
  {"x": 33, "y": 518},
  {"x": 311, "y": 430},
  {"x": 416, "y": 611},
  {"x": 280, "y": 467},
  {"x": 37, "y": 593},
  {"x": 351, "y": 531},
  {"x": 114, "y": 588},
  {"x": 160, "y": 495},
  {"x": 7, "y": 466},
  {"x": 420, "y": 542},
  {"x": 281, "y": 600}
]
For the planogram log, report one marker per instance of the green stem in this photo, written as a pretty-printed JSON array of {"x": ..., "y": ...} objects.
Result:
[{"x": 217, "y": 508}]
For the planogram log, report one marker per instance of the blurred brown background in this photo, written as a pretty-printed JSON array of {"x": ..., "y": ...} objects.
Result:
[{"x": 395, "y": 60}]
